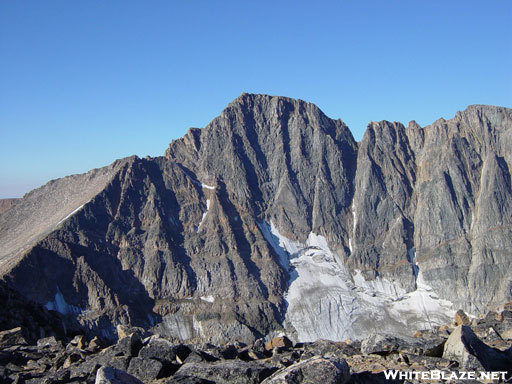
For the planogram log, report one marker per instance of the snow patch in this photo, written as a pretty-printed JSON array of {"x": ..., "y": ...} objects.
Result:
[
  {"x": 326, "y": 301},
  {"x": 354, "y": 223},
  {"x": 197, "y": 326},
  {"x": 377, "y": 287},
  {"x": 425, "y": 303},
  {"x": 271, "y": 234},
  {"x": 60, "y": 305},
  {"x": 354, "y": 219},
  {"x": 208, "y": 299},
  {"x": 204, "y": 214},
  {"x": 411, "y": 253},
  {"x": 68, "y": 216},
  {"x": 197, "y": 182}
]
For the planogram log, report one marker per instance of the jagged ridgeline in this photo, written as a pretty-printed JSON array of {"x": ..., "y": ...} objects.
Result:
[{"x": 274, "y": 219}]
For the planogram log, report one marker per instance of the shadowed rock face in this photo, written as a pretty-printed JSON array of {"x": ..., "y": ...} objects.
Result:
[
  {"x": 271, "y": 217},
  {"x": 35, "y": 321}
]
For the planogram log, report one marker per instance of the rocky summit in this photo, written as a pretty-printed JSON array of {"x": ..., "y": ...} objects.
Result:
[{"x": 272, "y": 220}]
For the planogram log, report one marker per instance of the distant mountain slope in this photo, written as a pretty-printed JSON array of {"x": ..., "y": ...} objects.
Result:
[
  {"x": 44, "y": 209},
  {"x": 6, "y": 204},
  {"x": 273, "y": 218}
]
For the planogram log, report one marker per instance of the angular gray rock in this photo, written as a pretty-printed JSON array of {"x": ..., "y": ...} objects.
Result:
[
  {"x": 145, "y": 370},
  {"x": 107, "y": 375},
  {"x": 12, "y": 337},
  {"x": 470, "y": 352},
  {"x": 160, "y": 349},
  {"x": 187, "y": 380},
  {"x": 328, "y": 348},
  {"x": 317, "y": 369},
  {"x": 228, "y": 372},
  {"x": 387, "y": 344},
  {"x": 129, "y": 346}
]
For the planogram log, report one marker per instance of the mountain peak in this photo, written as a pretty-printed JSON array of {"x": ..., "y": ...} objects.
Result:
[
  {"x": 252, "y": 116},
  {"x": 272, "y": 218},
  {"x": 255, "y": 97},
  {"x": 260, "y": 102},
  {"x": 484, "y": 110}
]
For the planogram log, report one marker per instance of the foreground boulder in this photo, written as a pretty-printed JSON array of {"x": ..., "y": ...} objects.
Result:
[
  {"x": 187, "y": 380},
  {"x": 386, "y": 344},
  {"x": 470, "y": 352},
  {"x": 279, "y": 342},
  {"x": 318, "y": 369},
  {"x": 461, "y": 318},
  {"x": 228, "y": 372},
  {"x": 146, "y": 369},
  {"x": 108, "y": 375},
  {"x": 12, "y": 337},
  {"x": 324, "y": 347},
  {"x": 162, "y": 350}
]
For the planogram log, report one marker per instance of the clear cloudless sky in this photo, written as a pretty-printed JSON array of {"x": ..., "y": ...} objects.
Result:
[{"x": 83, "y": 83}]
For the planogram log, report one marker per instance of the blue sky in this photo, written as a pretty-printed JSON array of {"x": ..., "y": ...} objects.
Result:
[{"x": 86, "y": 82}]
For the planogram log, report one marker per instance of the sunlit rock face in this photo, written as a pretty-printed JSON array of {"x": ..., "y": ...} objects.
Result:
[{"x": 273, "y": 219}]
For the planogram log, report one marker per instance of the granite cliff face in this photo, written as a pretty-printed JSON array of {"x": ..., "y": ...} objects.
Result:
[{"x": 274, "y": 219}]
